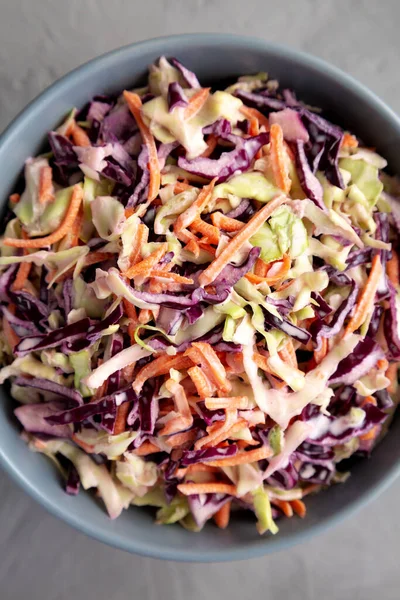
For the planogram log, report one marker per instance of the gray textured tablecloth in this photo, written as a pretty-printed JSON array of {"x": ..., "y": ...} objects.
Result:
[{"x": 42, "y": 558}]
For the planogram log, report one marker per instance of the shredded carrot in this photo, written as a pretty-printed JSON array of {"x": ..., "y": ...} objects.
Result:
[
  {"x": 211, "y": 145},
  {"x": 179, "y": 439},
  {"x": 146, "y": 448},
  {"x": 120, "y": 419},
  {"x": 203, "y": 385},
  {"x": 214, "y": 364},
  {"x": 145, "y": 316},
  {"x": 141, "y": 237},
  {"x": 21, "y": 277},
  {"x": 310, "y": 489},
  {"x": 23, "y": 270},
  {"x": 262, "y": 362},
  {"x": 391, "y": 374},
  {"x": 288, "y": 354},
  {"x": 382, "y": 364},
  {"x": 9, "y": 333},
  {"x": 299, "y": 508},
  {"x": 190, "y": 214},
  {"x": 181, "y": 186},
  {"x": 369, "y": 400},
  {"x": 235, "y": 363},
  {"x": 251, "y": 113},
  {"x": 173, "y": 276},
  {"x": 226, "y": 223},
  {"x": 56, "y": 236},
  {"x": 349, "y": 141},
  {"x": 187, "y": 489},
  {"x": 215, "y": 268},
  {"x": 222, "y": 516},
  {"x": 371, "y": 434},
  {"x": 46, "y": 187},
  {"x": 209, "y": 231},
  {"x": 86, "y": 447},
  {"x": 218, "y": 429},
  {"x": 366, "y": 299},
  {"x": 145, "y": 266},
  {"x": 135, "y": 105},
  {"x": 130, "y": 310},
  {"x": 279, "y": 167},
  {"x": 274, "y": 272},
  {"x": 80, "y": 136},
  {"x": 261, "y": 268},
  {"x": 14, "y": 198},
  {"x": 239, "y": 402},
  {"x": 129, "y": 212},
  {"x": 196, "y": 103},
  {"x": 160, "y": 366},
  {"x": 393, "y": 269},
  {"x": 72, "y": 237},
  {"x": 322, "y": 352},
  {"x": 284, "y": 505},
  {"x": 242, "y": 458}
]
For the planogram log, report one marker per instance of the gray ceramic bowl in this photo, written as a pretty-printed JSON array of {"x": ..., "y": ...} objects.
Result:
[{"x": 213, "y": 57}]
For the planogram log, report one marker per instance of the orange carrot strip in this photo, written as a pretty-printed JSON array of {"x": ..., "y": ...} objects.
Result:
[
  {"x": 203, "y": 385},
  {"x": 46, "y": 187},
  {"x": 349, "y": 141},
  {"x": 225, "y": 434},
  {"x": 178, "y": 439},
  {"x": 135, "y": 105},
  {"x": 299, "y": 508},
  {"x": 211, "y": 145},
  {"x": 195, "y": 209},
  {"x": 145, "y": 266},
  {"x": 187, "y": 489},
  {"x": 120, "y": 419},
  {"x": 209, "y": 231},
  {"x": 9, "y": 333},
  {"x": 279, "y": 167},
  {"x": 56, "y": 236},
  {"x": 21, "y": 277},
  {"x": 226, "y": 223},
  {"x": 222, "y": 516},
  {"x": 72, "y": 237},
  {"x": 160, "y": 366},
  {"x": 215, "y": 268},
  {"x": 251, "y": 113},
  {"x": 322, "y": 352},
  {"x": 130, "y": 309},
  {"x": 391, "y": 373},
  {"x": 393, "y": 269},
  {"x": 239, "y": 402},
  {"x": 313, "y": 487},
  {"x": 366, "y": 299},
  {"x": 242, "y": 458},
  {"x": 145, "y": 316},
  {"x": 141, "y": 238},
  {"x": 80, "y": 136},
  {"x": 260, "y": 268},
  {"x": 213, "y": 362},
  {"x": 288, "y": 354},
  {"x": 146, "y": 448},
  {"x": 284, "y": 505},
  {"x": 368, "y": 400},
  {"x": 382, "y": 364},
  {"x": 86, "y": 447},
  {"x": 201, "y": 468},
  {"x": 174, "y": 276},
  {"x": 262, "y": 362},
  {"x": 371, "y": 434},
  {"x": 218, "y": 429},
  {"x": 274, "y": 271},
  {"x": 180, "y": 187},
  {"x": 14, "y": 198},
  {"x": 196, "y": 103}
]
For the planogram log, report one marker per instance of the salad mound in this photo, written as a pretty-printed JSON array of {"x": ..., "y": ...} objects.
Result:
[{"x": 199, "y": 297}]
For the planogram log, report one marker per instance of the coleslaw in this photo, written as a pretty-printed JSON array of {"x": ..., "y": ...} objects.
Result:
[{"x": 199, "y": 295}]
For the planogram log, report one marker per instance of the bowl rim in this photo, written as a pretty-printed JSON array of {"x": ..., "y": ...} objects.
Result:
[{"x": 140, "y": 546}]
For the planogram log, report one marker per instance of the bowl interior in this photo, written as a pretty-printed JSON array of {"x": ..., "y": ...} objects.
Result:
[{"x": 213, "y": 58}]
